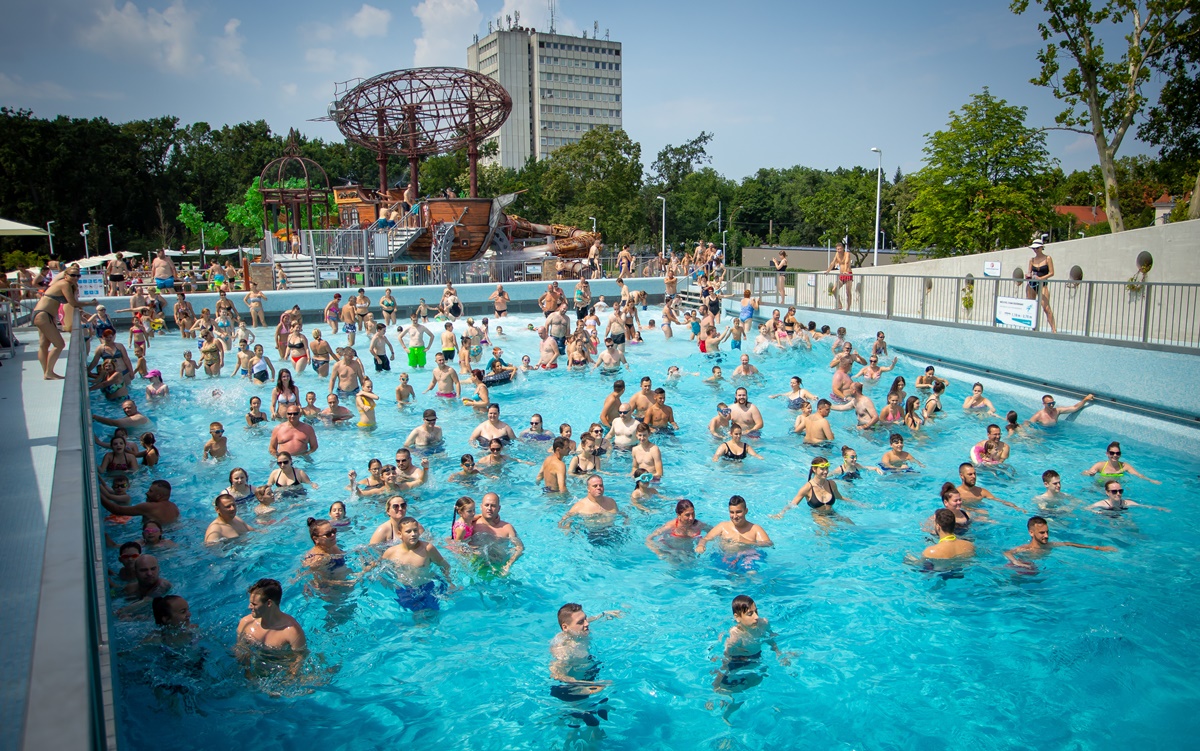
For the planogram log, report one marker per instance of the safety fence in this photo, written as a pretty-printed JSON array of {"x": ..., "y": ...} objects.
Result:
[{"x": 1148, "y": 313}]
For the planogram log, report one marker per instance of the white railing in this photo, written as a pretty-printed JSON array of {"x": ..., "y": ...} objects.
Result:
[{"x": 1149, "y": 313}]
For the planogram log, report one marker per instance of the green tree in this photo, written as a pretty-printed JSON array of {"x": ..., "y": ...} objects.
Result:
[
  {"x": 980, "y": 187},
  {"x": 599, "y": 176},
  {"x": 1103, "y": 95},
  {"x": 1174, "y": 123},
  {"x": 674, "y": 163}
]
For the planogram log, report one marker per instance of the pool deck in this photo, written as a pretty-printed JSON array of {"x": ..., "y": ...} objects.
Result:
[{"x": 28, "y": 447}]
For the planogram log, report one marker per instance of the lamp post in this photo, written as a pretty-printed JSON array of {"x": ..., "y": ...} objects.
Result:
[
  {"x": 724, "y": 232},
  {"x": 50, "y": 236},
  {"x": 663, "y": 249},
  {"x": 593, "y": 224},
  {"x": 878, "y": 190},
  {"x": 87, "y": 253},
  {"x": 110, "y": 239}
]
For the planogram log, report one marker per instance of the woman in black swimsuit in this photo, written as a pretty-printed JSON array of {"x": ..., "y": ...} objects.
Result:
[
  {"x": 287, "y": 477},
  {"x": 734, "y": 449},
  {"x": 1041, "y": 267},
  {"x": 819, "y": 492},
  {"x": 780, "y": 265}
]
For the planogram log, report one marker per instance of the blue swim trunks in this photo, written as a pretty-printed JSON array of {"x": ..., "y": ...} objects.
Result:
[
  {"x": 349, "y": 328},
  {"x": 165, "y": 283},
  {"x": 735, "y": 344},
  {"x": 421, "y": 597}
]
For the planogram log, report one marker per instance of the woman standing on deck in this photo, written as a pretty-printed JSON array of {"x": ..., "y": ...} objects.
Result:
[
  {"x": 1041, "y": 268},
  {"x": 62, "y": 291}
]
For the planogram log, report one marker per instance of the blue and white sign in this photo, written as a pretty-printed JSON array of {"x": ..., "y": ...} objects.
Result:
[
  {"x": 1017, "y": 312},
  {"x": 91, "y": 285},
  {"x": 991, "y": 268}
]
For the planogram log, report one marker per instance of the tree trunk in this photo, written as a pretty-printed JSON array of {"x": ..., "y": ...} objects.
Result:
[
  {"x": 1194, "y": 204},
  {"x": 1112, "y": 204}
]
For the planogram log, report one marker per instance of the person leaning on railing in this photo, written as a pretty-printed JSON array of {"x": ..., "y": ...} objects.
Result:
[{"x": 62, "y": 291}]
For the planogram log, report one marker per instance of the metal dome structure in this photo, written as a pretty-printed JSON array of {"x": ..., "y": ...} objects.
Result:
[
  {"x": 420, "y": 112},
  {"x": 291, "y": 167}
]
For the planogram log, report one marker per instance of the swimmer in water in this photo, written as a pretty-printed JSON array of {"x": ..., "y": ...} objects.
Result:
[
  {"x": 897, "y": 459},
  {"x": 1039, "y": 544},
  {"x": 1113, "y": 467},
  {"x": 217, "y": 445},
  {"x": 595, "y": 504},
  {"x": 948, "y": 546},
  {"x": 269, "y": 628},
  {"x": 738, "y": 532},
  {"x": 928, "y": 379},
  {"x": 1116, "y": 501},
  {"x": 796, "y": 394},
  {"x": 684, "y": 529},
  {"x": 819, "y": 492},
  {"x": 850, "y": 469},
  {"x": 743, "y": 648},
  {"x": 1050, "y": 412},
  {"x": 977, "y": 402}
]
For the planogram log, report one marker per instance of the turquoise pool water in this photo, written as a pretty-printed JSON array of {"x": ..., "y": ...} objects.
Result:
[{"x": 1096, "y": 650}]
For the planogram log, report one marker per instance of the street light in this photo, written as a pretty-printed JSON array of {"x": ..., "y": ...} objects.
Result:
[
  {"x": 593, "y": 224},
  {"x": 50, "y": 235},
  {"x": 664, "y": 226},
  {"x": 723, "y": 233},
  {"x": 86, "y": 251},
  {"x": 878, "y": 189},
  {"x": 110, "y": 239}
]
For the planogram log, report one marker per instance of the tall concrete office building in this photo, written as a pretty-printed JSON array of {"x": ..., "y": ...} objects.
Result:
[{"x": 561, "y": 87}]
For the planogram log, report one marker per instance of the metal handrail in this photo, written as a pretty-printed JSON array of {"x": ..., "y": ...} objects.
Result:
[{"x": 1152, "y": 314}]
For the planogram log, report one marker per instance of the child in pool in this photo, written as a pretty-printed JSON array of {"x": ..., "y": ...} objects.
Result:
[
  {"x": 464, "y": 519},
  {"x": 337, "y": 515},
  {"x": 187, "y": 369},
  {"x": 897, "y": 459},
  {"x": 216, "y": 447},
  {"x": 991, "y": 453},
  {"x": 743, "y": 645}
]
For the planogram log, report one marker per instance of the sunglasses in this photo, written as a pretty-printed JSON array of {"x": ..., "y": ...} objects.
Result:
[
  {"x": 1048, "y": 404},
  {"x": 494, "y": 448},
  {"x": 1116, "y": 491},
  {"x": 330, "y": 533},
  {"x": 430, "y": 419},
  {"x": 283, "y": 464},
  {"x": 398, "y": 507},
  {"x": 216, "y": 432},
  {"x": 293, "y": 414},
  {"x": 600, "y": 432},
  {"x": 1114, "y": 453}
]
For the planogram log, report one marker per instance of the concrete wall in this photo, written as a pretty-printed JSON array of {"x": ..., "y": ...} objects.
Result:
[
  {"x": 807, "y": 259},
  {"x": 473, "y": 296},
  {"x": 1175, "y": 248}
]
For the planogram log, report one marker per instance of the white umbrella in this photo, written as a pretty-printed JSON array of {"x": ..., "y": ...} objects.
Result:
[{"x": 16, "y": 228}]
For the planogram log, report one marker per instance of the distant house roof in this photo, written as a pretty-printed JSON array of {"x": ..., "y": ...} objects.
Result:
[
  {"x": 1089, "y": 215},
  {"x": 1164, "y": 202}
]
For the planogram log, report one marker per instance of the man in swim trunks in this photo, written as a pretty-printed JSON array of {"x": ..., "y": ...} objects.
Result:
[
  {"x": 1039, "y": 544},
  {"x": 492, "y": 428},
  {"x": 449, "y": 343},
  {"x": 608, "y": 412},
  {"x": 973, "y": 493},
  {"x": 843, "y": 385},
  {"x": 611, "y": 359},
  {"x": 293, "y": 437},
  {"x": 409, "y": 476},
  {"x": 1049, "y": 413},
  {"x": 553, "y": 474},
  {"x": 163, "y": 271},
  {"x": 745, "y": 414},
  {"x": 499, "y": 300},
  {"x": 349, "y": 318},
  {"x": 347, "y": 374},
  {"x": 490, "y": 530},
  {"x": 335, "y": 412},
  {"x": 863, "y": 407},
  {"x": 549, "y": 349},
  {"x": 269, "y": 627},
  {"x": 845, "y": 265},
  {"x": 444, "y": 378},
  {"x": 816, "y": 427},
  {"x": 659, "y": 416},
  {"x": 738, "y": 532},
  {"x": 413, "y": 341},
  {"x": 993, "y": 434},
  {"x": 623, "y": 431},
  {"x": 427, "y": 433}
]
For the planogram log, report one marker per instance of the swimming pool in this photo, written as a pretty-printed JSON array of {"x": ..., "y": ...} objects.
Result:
[{"x": 1095, "y": 650}]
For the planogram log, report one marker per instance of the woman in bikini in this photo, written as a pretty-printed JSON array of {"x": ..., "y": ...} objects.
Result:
[
  {"x": 387, "y": 304},
  {"x": 820, "y": 493},
  {"x": 577, "y": 354},
  {"x": 912, "y": 413},
  {"x": 735, "y": 450},
  {"x": 679, "y": 534},
  {"x": 62, "y": 291},
  {"x": 254, "y": 300},
  {"x": 482, "y": 397},
  {"x": 1114, "y": 468},
  {"x": 297, "y": 348},
  {"x": 156, "y": 389},
  {"x": 977, "y": 402},
  {"x": 893, "y": 413},
  {"x": 284, "y": 394},
  {"x": 587, "y": 460},
  {"x": 285, "y": 476},
  {"x": 282, "y": 329},
  {"x": 322, "y": 353},
  {"x": 952, "y": 499},
  {"x": 798, "y": 395},
  {"x": 325, "y": 560}
]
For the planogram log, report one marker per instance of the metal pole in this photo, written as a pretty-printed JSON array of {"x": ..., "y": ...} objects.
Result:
[
  {"x": 50, "y": 236},
  {"x": 86, "y": 251},
  {"x": 110, "y": 249},
  {"x": 663, "y": 249},
  {"x": 878, "y": 189},
  {"x": 593, "y": 224}
]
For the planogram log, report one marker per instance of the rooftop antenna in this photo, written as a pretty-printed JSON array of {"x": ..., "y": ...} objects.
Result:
[
  {"x": 517, "y": 17},
  {"x": 508, "y": 20},
  {"x": 552, "y": 4},
  {"x": 595, "y": 29},
  {"x": 606, "y": 38},
  {"x": 489, "y": 27}
]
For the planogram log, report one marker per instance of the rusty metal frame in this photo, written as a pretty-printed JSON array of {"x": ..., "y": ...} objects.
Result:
[{"x": 317, "y": 188}]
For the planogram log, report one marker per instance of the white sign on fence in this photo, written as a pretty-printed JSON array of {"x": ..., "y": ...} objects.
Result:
[
  {"x": 991, "y": 268},
  {"x": 328, "y": 276},
  {"x": 91, "y": 285},
  {"x": 812, "y": 280},
  {"x": 1016, "y": 311}
]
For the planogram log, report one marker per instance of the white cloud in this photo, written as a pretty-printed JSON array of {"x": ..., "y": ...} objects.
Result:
[
  {"x": 228, "y": 55},
  {"x": 369, "y": 21},
  {"x": 290, "y": 89},
  {"x": 165, "y": 38},
  {"x": 446, "y": 29},
  {"x": 320, "y": 59},
  {"x": 14, "y": 87}
]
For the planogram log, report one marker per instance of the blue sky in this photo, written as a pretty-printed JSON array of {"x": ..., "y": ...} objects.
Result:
[{"x": 777, "y": 83}]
